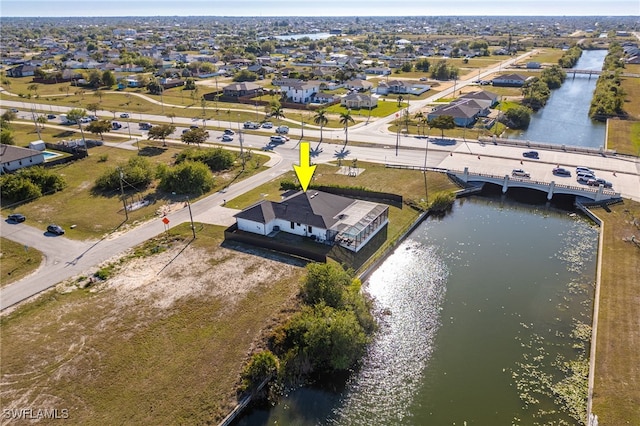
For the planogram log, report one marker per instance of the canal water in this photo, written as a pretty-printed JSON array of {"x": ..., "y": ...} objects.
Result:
[
  {"x": 477, "y": 309},
  {"x": 564, "y": 120}
]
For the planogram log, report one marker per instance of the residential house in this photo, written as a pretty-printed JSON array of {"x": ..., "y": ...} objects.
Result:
[
  {"x": 482, "y": 95},
  {"x": 359, "y": 100},
  {"x": 129, "y": 68},
  {"x": 511, "y": 80},
  {"x": 378, "y": 70},
  {"x": 464, "y": 114},
  {"x": 13, "y": 158},
  {"x": 323, "y": 98},
  {"x": 358, "y": 84},
  {"x": 401, "y": 87},
  {"x": 22, "y": 71},
  {"x": 245, "y": 88},
  {"x": 323, "y": 217},
  {"x": 301, "y": 92}
]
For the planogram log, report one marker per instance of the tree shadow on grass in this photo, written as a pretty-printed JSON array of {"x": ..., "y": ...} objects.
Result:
[
  {"x": 151, "y": 151},
  {"x": 64, "y": 134}
]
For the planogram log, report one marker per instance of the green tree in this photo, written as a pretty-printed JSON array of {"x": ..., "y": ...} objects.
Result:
[
  {"x": 108, "y": 78},
  {"x": 76, "y": 114},
  {"x": 325, "y": 282},
  {"x": 262, "y": 365},
  {"x": 423, "y": 65},
  {"x": 161, "y": 132},
  {"x": 189, "y": 177},
  {"x": 137, "y": 173},
  {"x": 321, "y": 120},
  {"x": 518, "y": 117},
  {"x": 93, "y": 107},
  {"x": 6, "y": 137},
  {"x": 443, "y": 122},
  {"x": 553, "y": 76},
  {"x": 99, "y": 127},
  {"x": 195, "y": 136},
  {"x": 345, "y": 119},
  {"x": 277, "y": 111},
  {"x": 6, "y": 119},
  {"x": 245, "y": 75}
]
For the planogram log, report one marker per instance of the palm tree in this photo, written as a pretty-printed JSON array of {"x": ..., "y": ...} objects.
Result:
[
  {"x": 321, "y": 120},
  {"x": 76, "y": 115},
  {"x": 33, "y": 88},
  {"x": 400, "y": 99},
  {"x": 345, "y": 119},
  {"x": 277, "y": 112}
]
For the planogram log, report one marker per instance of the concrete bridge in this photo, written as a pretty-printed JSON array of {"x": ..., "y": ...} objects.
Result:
[{"x": 599, "y": 194}]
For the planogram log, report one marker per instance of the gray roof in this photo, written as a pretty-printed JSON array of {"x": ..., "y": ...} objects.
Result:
[
  {"x": 315, "y": 208},
  {"x": 9, "y": 153}
]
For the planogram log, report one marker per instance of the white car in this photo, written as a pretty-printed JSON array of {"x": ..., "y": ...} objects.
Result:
[
  {"x": 282, "y": 130},
  {"x": 520, "y": 173},
  {"x": 267, "y": 125},
  {"x": 227, "y": 138},
  {"x": 124, "y": 115},
  {"x": 277, "y": 139}
]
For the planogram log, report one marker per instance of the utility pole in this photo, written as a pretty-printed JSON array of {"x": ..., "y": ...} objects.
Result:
[
  {"x": 124, "y": 203},
  {"x": 193, "y": 228},
  {"x": 241, "y": 149}
]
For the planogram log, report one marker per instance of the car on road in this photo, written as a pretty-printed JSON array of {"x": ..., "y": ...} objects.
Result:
[
  {"x": 55, "y": 229},
  {"x": 250, "y": 125},
  {"x": 115, "y": 125},
  {"x": 145, "y": 126},
  {"x": 124, "y": 115},
  {"x": 227, "y": 138},
  {"x": 16, "y": 218},
  {"x": 277, "y": 139},
  {"x": 599, "y": 181},
  {"x": 559, "y": 171},
  {"x": 194, "y": 126},
  {"x": 520, "y": 173},
  {"x": 267, "y": 125},
  {"x": 229, "y": 132},
  {"x": 584, "y": 177},
  {"x": 581, "y": 169},
  {"x": 531, "y": 154},
  {"x": 282, "y": 129},
  {"x": 50, "y": 116},
  {"x": 85, "y": 120},
  {"x": 13, "y": 110}
]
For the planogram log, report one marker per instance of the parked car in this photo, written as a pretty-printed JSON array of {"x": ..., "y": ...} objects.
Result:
[
  {"x": 16, "y": 218},
  {"x": 267, "y": 125},
  {"x": 520, "y": 173},
  {"x": 227, "y": 138},
  {"x": 531, "y": 154},
  {"x": 229, "y": 132},
  {"x": 282, "y": 129},
  {"x": 55, "y": 229},
  {"x": 584, "y": 178},
  {"x": 598, "y": 182},
  {"x": 124, "y": 115},
  {"x": 277, "y": 139},
  {"x": 559, "y": 171},
  {"x": 581, "y": 169}
]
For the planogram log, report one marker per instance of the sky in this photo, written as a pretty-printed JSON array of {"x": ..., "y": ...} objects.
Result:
[{"x": 49, "y": 8}]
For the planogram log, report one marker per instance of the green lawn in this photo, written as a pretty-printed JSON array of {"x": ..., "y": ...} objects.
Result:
[
  {"x": 96, "y": 214},
  {"x": 18, "y": 260}
]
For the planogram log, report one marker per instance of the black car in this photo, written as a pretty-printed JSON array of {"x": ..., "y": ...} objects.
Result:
[
  {"x": 51, "y": 116},
  {"x": 16, "y": 218},
  {"x": 530, "y": 154},
  {"x": 559, "y": 171},
  {"x": 55, "y": 229}
]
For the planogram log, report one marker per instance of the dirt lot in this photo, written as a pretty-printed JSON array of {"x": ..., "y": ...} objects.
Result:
[{"x": 157, "y": 343}]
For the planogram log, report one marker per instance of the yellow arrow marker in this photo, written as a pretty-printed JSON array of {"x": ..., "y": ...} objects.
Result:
[{"x": 304, "y": 171}]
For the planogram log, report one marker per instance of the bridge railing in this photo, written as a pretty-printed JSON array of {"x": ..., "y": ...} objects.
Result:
[
  {"x": 547, "y": 146},
  {"x": 605, "y": 191}
]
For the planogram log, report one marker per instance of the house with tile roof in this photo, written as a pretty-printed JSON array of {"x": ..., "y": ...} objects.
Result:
[{"x": 323, "y": 217}]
